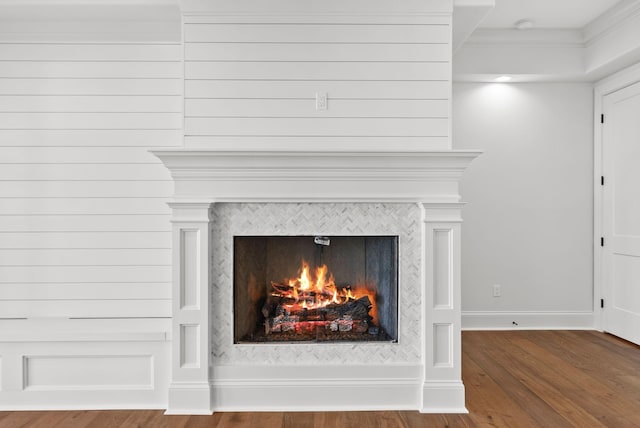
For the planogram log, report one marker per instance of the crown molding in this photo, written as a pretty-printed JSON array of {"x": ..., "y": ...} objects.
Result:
[
  {"x": 609, "y": 21},
  {"x": 535, "y": 37},
  {"x": 608, "y": 44},
  {"x": 312, "y": 7}
]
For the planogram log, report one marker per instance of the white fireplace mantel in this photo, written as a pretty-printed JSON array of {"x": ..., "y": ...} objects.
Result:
[
  {"x": 303, "y": 176},
  {"x": 427, "y": 178}
]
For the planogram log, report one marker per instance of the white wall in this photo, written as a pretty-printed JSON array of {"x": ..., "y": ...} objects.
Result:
[{"x": 528, "y": 222}]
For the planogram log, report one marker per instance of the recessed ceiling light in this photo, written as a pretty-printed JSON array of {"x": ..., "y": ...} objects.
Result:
[
  {"x": 502, "y": 79},
  {"x": 523, "y": 24}
]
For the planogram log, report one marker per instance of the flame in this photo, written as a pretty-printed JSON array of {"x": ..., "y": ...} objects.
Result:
[{"x": 317, "y": 291}]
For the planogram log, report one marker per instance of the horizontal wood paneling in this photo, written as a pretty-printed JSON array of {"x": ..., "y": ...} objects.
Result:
[
  {"x": 317, "y": 126},
  {"x": 94, "y": 223},
  {"x": 84, "y": 206},
  {"x": 100, "y": 308},
  {"x": 83, "y": 155},
  {"x": 304, "y": 90},
  {"x": 125, "y": 86},
  {"x": 83, "y": 120},
  {"x": 84, "y": 225},
  {"x": 360, "y": 71},
  {"x": 248, "y": 80},
  {"x": 81, "y": 189},
  {"x": 91, "y": 69},
  {"x": 85, "y": 257},
  {"x": 135, "y": 52},
  {"x": 84, "y": 240},
  {"x": 317, "y": 33},
  {"x": 93, "y": 104},
  {"x": 83, "y": 171},
  {"x": 86, "y": 291},
  {"x": 90, "y": 138},
  {"x": 301, "y": 52},
  {"x": 307, "y": 108},
  {"x": 84, "y": 274},
  {"x": 328, "y": 16},
  {"x": 315, "y": 142}
]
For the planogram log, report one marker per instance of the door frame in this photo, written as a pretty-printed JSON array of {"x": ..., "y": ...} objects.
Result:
[{"x": 602, "y": 88}]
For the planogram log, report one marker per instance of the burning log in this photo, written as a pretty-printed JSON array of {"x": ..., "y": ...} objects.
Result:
[
  {"x": 337, "y": 317},
  {"x": 356, "y": 309},
  {"x": 304, "y": 304}
]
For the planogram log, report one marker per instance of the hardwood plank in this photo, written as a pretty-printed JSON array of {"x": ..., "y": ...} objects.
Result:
[
  {"x": 540, "y": 376},
  {"x": 487, "y": 401},
  {"x": 603, "y": 402},
  {"x": 112, "y": 418},
  {"x": 497, "y": 363},
  {"x": 79, "y": 419},
  {"x": 18, "y": 419}
]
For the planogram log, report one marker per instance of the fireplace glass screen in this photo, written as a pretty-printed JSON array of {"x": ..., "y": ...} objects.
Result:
[{"x": 315, "y": 289}]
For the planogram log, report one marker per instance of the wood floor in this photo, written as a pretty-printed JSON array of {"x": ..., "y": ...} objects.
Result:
[{"x": 513, "y": 379}]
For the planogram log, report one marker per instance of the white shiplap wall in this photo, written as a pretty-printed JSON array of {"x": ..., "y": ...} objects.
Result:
[
  {"x": 251, "y": 82},
  {"x": 84, "y": 228}
]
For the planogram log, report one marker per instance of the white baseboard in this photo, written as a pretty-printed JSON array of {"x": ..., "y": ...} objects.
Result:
[{"x": 528, "y": 320}]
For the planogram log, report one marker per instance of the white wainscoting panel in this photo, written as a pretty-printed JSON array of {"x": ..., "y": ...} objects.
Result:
[
  {"x": 62, "y": 364},
  {"x": 73, "y": 372}
]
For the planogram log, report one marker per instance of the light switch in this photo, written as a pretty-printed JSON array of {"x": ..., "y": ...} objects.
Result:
[{"x": 321, "y": 101}]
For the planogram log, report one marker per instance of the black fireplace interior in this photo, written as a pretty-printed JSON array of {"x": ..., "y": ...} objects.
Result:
[{"x": 315, "y": 289}]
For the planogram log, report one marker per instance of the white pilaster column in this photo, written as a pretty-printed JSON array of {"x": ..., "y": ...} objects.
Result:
[
  {"x": 442, "y": 390},
  {"x": 190, "y": 386}
]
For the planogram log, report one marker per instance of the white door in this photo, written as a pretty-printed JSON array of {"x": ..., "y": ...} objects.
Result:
[{"x": 621, "y": 213}]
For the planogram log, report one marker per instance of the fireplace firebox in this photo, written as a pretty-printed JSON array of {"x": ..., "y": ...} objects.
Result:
[{"x": 315, "y": 289}]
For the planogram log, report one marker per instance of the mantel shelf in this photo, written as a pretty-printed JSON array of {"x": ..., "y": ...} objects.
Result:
[{"x": 212, "y": 175}]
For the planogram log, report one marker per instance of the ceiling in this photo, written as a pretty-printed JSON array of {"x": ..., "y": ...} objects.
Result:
[
  {"x": 547, "y": 14},
  {"x": 568, "y": 40}
]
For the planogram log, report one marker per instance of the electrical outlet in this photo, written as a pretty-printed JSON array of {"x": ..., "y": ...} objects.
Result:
[
  {"x": 497, "y": 290},
  {"x": 321, "y": 101}
]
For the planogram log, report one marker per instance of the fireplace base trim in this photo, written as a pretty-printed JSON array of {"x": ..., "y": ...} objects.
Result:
[
  {"x": 193, "y": 398},
  {"x": 443, "y": 397},
  {"x": 317, "y": 388}
]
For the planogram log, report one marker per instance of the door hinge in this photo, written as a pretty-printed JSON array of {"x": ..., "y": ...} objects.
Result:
[
  {"x": 602, "y": 303},
  {"x": 602, "y": 242},
  {"x": 602, "y": 180},
  {"x": 602, "y": 118}
]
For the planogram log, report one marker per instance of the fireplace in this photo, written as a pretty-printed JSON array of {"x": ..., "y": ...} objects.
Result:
[
  {"x": 255, "y": 206},
  {"x": 411, "y": 198},
  {"x": 315, "y": 289}
]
